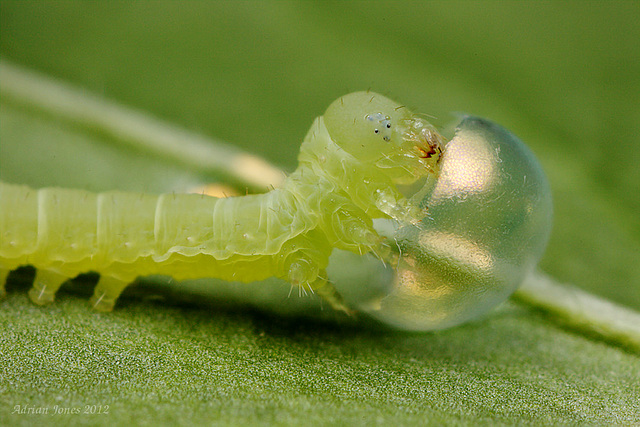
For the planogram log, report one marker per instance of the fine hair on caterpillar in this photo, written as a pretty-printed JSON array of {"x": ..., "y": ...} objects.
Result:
[
  {"x": 288, "y": 233},
  {"x": 381, "y": 216}
]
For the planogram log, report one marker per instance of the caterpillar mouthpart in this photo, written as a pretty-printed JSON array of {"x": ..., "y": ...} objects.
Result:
[
  {"x": 488, "y": 222},
  {"x": 424, "y": 142}
]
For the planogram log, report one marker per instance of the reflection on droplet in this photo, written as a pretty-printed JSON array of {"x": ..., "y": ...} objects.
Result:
[
  {"x": 470, "y": 169},
  {"x": 452, "y": 246}
]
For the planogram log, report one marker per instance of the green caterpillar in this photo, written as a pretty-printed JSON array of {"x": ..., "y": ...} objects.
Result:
[
  {"x": 350, "y": 164},
  {"x": 380, "y": 216}
]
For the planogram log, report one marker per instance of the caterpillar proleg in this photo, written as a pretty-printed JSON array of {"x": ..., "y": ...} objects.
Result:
[{"x": 457, "y": 226}]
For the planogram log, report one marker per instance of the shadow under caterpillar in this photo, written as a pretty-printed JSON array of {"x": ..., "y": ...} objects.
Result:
[{"x": 344, "y": 202}]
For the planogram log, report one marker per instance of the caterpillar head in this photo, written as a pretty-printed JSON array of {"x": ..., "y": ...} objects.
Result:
[{"x": 380, "y": 131}]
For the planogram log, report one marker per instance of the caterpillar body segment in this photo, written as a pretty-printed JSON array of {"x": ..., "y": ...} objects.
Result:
[
  {"x": 125, "y": 235},
  {"x": 350, "y": 163}
]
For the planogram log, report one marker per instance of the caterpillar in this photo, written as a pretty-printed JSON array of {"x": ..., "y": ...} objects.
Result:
[
  {"x": 459, "y": 225},
  {"x": 287, "y": 233}
]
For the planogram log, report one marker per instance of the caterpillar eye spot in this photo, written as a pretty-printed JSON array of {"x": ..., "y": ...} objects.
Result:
[
  {"x": 376, "y": 131},
  {"x": 386, "y": 138}
]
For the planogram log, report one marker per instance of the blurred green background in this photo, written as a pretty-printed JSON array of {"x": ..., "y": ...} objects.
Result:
[{"x": 564, "y": 76}]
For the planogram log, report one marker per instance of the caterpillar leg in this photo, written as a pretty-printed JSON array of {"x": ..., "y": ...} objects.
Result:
[
  {"x": 327, "y": 292},
  {"x": 305, "y": 274},
  {"x": 351, "y": 229},
  {"x": 45, "y": 286},
  {"x": 364, "y": 240},
  {"x": 399, "y": 208},
  {"x": 107, "y": 292},
  {"x": 302, "y": 272}
]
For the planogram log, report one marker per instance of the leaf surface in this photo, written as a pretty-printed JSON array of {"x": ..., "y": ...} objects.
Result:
[{"x": 257, "y": 74}]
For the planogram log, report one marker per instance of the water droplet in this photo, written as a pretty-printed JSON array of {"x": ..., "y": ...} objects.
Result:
[{"x": 486, "y": 232}]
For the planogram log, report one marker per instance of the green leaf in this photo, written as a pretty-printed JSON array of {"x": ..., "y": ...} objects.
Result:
[{"x": 257, "y": 74}]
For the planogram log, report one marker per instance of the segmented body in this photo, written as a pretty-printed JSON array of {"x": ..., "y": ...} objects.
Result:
[{"x": 350, "y": 163}]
